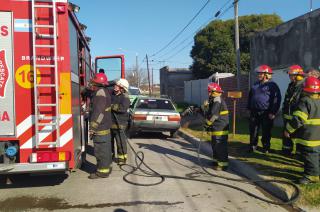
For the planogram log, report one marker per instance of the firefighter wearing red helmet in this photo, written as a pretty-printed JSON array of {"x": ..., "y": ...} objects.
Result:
[
  {"x": 119, "y": 108},
  {"x": 217, "y": 124},
  {"x": 304, "y": 128},
  {"x": 263, "y": 103},
  {"x": 100, "y": 124},
  {"x": 290, "y": 102}
]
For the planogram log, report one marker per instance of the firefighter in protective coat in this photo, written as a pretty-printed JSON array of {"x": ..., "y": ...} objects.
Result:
[
  {"x": 304, "y": 130},
  {"x": 263, "y": 103},
  {"x": 120, "y": 104},
  {"x": 290, "y": 102},
  {"x": 217, "y": 124},
  {"x": 100, "y": 124}
]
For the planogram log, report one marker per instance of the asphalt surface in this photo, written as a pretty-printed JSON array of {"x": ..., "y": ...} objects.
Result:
[{"x": 75, "y": 192}]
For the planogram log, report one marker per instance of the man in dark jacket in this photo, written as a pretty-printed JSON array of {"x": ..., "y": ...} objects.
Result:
[
  {"x": 290, "y": 102},
  {"x": 100, "y": 124},
  {"x": 304, "y": 128},
  {"x": 217, "y": 124},
  {"x": 119, "y": 107},
  {"x": 263, "y": 103}
]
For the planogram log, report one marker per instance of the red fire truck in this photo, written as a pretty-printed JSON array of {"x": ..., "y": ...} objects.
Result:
[{"x": 44, "y": 63}]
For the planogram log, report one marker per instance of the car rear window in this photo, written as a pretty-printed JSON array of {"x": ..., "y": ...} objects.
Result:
[
  {"x": 134, "y": 91},
  {"x": 161, "y": 104}
]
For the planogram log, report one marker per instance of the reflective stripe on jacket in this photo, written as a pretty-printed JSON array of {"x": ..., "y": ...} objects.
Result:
[
  {"x": 291, "y": 99},
  {"x": 218, "y": 115},
  {"x": 305, "y": 124}
]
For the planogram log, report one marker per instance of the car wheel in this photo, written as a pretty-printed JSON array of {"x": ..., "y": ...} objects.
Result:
[{"x": 174, "y": 134}]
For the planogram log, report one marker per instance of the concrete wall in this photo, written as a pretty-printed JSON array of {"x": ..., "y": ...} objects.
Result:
[
  {"x": 172, "y": 82},
  {"x": 294, "y": 42}
]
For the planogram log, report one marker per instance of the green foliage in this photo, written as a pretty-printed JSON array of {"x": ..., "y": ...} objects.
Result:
[{"x": 214, "y": 49}]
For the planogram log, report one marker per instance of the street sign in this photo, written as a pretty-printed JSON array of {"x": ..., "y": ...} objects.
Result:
[{"x": 235, "y": 94}]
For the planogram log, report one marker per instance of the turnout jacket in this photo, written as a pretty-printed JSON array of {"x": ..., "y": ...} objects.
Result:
[
  {"x": 264, "y": 97},
  {"x": 119, "y": 106},
  {"x": 100, "y": 116},
  {"x": 291, "y": 99},
  {"x": 305, "y": 123},
  {"x": 218, "y": 115}
]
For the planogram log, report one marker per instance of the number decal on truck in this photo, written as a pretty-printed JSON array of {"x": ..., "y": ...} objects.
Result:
[{"x": 24, "y": 76}]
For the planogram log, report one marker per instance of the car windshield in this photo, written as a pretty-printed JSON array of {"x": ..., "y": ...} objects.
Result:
[
  {"x": 134, "y": 91},
  {"x": 161, "y": 104}
]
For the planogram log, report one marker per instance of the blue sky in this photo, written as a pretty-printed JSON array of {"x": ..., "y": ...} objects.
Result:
[{"x": 145, "y": 26}]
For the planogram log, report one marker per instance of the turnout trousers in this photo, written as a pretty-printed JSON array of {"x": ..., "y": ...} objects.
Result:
[
  {"x": 119, "y": 138},
  {"x": 311, "y": 159},
  {"x": 220, "y": 150},
  {"x": 257, "y": 120},
  {"x": 102, "y": 152}
]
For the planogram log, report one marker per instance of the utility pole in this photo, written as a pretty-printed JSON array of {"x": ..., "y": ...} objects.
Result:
[
  {"x": 236, "y": 31},
  {"x": 137, "y": 70},
  {"x": 310, "y": 5},
  {"x": 152, "y": 81},
  {"x": 148, "y": 74}
]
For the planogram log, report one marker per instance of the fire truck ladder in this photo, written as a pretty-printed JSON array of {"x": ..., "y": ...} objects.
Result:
[{"x": 38, "y": 69}]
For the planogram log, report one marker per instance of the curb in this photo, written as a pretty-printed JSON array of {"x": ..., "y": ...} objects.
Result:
[{"x": 240, "y": 168}]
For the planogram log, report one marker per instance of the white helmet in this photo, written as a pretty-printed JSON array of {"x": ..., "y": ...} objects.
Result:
[{"x": 123, "y": 83}]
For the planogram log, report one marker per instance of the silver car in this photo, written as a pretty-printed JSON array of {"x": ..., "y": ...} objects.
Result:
[{"x": 153, "y": 115}]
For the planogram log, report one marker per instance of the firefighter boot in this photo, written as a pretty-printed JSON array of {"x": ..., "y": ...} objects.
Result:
[{"x": 98, "y": 174}]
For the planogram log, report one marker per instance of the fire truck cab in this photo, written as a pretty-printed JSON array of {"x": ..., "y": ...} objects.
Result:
[{"x": 45, "y": 62}]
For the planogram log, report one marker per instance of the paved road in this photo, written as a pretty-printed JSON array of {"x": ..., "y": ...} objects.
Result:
[{"x": 168, "y": 156}]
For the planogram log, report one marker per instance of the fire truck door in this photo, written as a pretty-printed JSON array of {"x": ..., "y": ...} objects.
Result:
[{"x": 7, "y": 107}]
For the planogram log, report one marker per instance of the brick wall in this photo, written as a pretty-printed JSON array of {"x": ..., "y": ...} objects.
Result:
[{"x": 230, "y": 84}]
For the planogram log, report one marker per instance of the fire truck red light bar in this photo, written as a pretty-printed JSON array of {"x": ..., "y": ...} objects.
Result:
[{"x": 43, "y": 157}]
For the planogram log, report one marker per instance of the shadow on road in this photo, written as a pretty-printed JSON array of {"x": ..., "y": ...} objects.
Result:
[{"x": 27, "y": 180}]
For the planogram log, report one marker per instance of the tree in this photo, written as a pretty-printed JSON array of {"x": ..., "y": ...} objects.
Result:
[
  {"x": 214, "y": 48},
  {"x": 136, "y": 77}
]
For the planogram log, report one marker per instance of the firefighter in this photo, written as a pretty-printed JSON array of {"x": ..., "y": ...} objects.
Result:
[
  {"x": 263, "y": 103},
  {"x": 304, "y": 130},
  {"x": 290, "y": 102},
  {"x": 100, "y": 124},
  {"x": 119, "y": 107},
  {"x": 217, "y": 124}
]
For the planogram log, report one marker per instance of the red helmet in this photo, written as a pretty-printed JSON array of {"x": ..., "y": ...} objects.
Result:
[
  {"x": 100, "y": 78},
  {"x": 295, "y": 70},
  {"x": 311, "y": 85},
  {"x": 214, "y": 87},
  {"x": 264, "y": 69}
]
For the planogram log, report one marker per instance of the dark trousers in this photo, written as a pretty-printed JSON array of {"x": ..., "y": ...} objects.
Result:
[
  {"x": 220, "y": 150},
  {"x": 311, "y": 159},
  {"x": 102, "y": 151},
  {"x": 262, "y": 119},
  {"x": 120, "y": 139},
  {"x": 287, "y": 143}
]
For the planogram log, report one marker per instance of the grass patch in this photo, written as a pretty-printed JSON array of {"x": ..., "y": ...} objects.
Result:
[{"x": 273, "y": 165}]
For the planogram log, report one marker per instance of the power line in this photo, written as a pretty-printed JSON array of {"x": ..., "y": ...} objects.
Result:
[
  {"x": 179, "y": 33},
  {"x": 180, "y": 50}
]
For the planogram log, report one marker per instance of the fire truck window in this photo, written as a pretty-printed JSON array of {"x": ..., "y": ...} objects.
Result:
[{"x": 111, "y": 67}]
